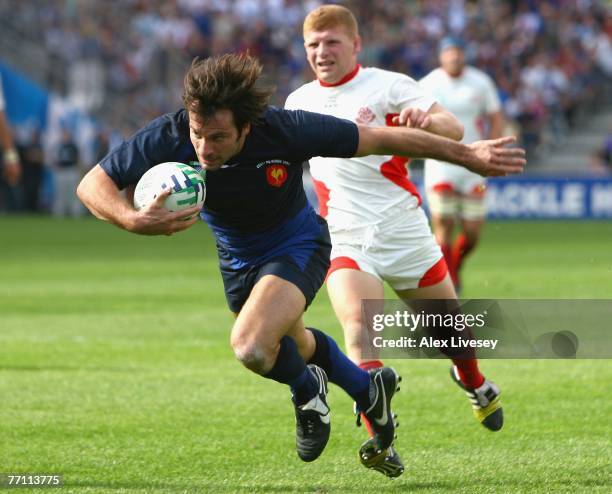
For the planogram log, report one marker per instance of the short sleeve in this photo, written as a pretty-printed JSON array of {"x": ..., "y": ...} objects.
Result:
[
  {"x": 126, "y": 163},
  {"x": 290, "y": 102},
  {"x": 153, "y": 144},
  {"x": 405, "y": 92},
  {"x": 313, "y": 134}
]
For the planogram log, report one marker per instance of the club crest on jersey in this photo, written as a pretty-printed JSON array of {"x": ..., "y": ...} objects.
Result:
[
  {"x": 276, "y": 175},
  {"x": 364, "y": 116}
]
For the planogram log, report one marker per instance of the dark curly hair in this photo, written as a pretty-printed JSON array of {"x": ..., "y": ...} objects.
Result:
[{"x": 226, "y": 82}]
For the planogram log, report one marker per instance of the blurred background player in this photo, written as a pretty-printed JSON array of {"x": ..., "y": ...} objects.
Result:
[
  {"x": 11, "y": 169},
  {"x": 67, "y": 176},
  {"x": 32, "y": 163},
  {"x": 378, "y": 230},
  {"x": 455, "y": 195}
]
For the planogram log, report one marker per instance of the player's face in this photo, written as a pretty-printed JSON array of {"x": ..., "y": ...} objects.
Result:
[
  {"x": 452, "y": 61},
  {"x": 216, "y": 139},
  {"x": 332, "y": 53}
]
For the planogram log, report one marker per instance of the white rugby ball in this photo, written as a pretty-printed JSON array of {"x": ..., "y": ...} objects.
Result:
[{"x": 188, "y": 188}]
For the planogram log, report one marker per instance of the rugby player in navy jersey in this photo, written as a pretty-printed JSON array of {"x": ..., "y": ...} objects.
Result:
[{"x": 273, "y": 248}]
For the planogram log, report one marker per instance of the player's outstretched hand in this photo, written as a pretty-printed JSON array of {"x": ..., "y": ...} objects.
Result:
[
  {"x": 155, "y": 219},
  {"x": 492, "y": 158},
  {"x": 413, "y": 117}
]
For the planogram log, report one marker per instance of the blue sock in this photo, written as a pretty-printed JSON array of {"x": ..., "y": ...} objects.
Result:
[
  {"x": 291, "y": 369},
  {"x": 340, "y": 370}
]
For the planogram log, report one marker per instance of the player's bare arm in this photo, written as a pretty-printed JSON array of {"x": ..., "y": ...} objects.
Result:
[
  {"x": 105, "y": 201},
  {"x": 436, "y": 120},
  {"x": 487, "y": 158},
  {"x": 497, "y": 121}
]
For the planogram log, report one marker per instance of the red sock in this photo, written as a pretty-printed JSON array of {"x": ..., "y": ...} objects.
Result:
[
  {"x": 371, "y": 364},
  {"x": 366, "y": 366},
  {"x": 468, "y": 372},
  {"x": 447, "y": 252},
  {"x": 461, "y": 248}
]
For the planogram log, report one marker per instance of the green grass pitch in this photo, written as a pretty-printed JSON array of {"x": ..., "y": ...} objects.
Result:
[{"x": 116, "y": 371}]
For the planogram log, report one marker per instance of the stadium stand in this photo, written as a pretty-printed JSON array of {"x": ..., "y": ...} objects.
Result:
[{"x": 552, "y": 59}]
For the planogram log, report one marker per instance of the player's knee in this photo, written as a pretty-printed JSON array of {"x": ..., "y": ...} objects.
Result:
[
  {"x": 251, "y": 354},
  {"x": 446, "y": 222}
]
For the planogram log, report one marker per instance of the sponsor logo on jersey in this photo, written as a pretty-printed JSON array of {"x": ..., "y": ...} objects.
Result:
[
  {"x": 276, "y": 175},
  {"x": 364, "y": 116}
]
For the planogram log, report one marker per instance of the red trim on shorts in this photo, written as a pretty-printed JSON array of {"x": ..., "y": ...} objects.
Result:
[
  {"x": 322, "y": 192},
  {"x": 478, "y": 191},
  {"x": 435, "y": 274},
  {"x": 342, "y": 262},
  {"x": 344, "y": 80},
  {"x": 443, "y": 188}
]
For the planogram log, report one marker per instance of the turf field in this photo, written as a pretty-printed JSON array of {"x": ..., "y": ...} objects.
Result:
[{"x": 115, "y": 371}]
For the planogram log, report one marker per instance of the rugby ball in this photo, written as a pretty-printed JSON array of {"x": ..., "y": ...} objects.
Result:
[{"x": 187, "y": 184}]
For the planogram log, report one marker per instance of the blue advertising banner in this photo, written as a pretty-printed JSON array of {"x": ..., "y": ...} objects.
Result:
[
  {"x": 535, "y": 197},
  {"x": 546, "y": 197}
]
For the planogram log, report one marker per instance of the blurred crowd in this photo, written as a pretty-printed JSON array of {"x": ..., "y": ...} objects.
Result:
[{"x": 124, "y": 60}]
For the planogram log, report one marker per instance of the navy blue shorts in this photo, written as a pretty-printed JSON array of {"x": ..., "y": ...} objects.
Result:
[{"x": 239, "y": 283}]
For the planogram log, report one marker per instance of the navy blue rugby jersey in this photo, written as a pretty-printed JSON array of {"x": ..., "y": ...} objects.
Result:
[{"x": 257, "y": 192}]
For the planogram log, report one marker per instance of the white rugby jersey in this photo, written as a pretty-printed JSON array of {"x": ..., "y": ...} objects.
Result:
[
  {"x": 360, "y": 192},
  {"x": 468, "y": 97}
]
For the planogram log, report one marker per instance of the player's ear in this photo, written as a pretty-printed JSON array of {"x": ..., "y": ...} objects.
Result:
[
  {"x": 357, "y": 44},
  {"x": 246, "y": 129}
]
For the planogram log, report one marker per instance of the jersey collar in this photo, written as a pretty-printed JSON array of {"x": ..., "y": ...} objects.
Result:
[{"x": 344, "y": 80}]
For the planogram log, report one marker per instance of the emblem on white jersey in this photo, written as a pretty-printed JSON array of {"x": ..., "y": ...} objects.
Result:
[
  {"x": 331, "y": 102},
  {"x": 364, "y": 116}
]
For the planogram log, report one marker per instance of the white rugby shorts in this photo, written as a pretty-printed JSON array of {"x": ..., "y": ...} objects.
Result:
[
  {"x": 454, "y": 191},
  {"x": 401, "y": 251}
]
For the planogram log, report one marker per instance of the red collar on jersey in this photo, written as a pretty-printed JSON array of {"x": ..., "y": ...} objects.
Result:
[{"x": 344, "y": 80}]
